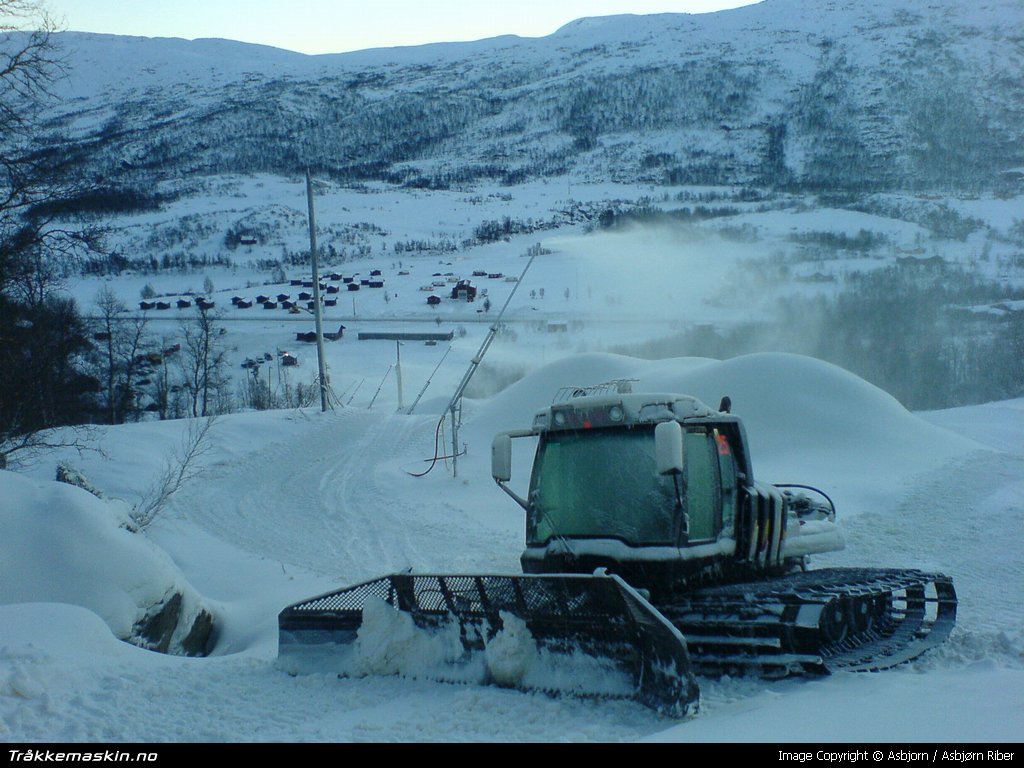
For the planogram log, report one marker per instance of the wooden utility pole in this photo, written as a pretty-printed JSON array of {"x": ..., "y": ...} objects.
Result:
[{"x": 314, "y": 260}]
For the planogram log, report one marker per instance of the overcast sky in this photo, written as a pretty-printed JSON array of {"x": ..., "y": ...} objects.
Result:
[{"x": 333, "y": 26}]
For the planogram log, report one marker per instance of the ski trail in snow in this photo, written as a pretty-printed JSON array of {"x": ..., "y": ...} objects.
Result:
[{"x": 337, "y": 503}]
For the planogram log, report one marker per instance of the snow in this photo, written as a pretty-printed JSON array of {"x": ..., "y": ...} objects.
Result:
[
  {"x": 62, "y": 544},
  {"x": 294, "y": 503},
  {"x": 269, "y": 524}
]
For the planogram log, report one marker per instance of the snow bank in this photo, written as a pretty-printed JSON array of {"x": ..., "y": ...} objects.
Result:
[
  {"x": 60, "y": 544},
  {"x": 808, "y": 421}
]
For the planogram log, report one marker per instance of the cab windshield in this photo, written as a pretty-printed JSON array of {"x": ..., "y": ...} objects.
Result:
[{"x": 601, "y": 483}]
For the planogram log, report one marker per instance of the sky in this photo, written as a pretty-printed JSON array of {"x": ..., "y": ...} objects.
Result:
[{"x": 335, "y": 26}]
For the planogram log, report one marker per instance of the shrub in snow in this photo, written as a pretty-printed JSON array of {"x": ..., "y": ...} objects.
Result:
[{"x": 71, "y": 476}]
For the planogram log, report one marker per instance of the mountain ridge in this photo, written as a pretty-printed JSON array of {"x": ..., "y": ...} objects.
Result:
[{"x": 784, "y": 93}]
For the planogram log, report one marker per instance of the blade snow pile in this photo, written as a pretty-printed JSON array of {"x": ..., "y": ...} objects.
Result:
[{"x": 573, "y": 634}]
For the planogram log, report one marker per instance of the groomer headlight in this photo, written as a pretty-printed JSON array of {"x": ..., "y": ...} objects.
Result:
[
  {"x": 615, "y": 413},
  {"x": 559, "y": 418}
]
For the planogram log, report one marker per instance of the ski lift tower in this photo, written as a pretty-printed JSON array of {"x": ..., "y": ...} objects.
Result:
[{"x": 454, "y": 407}]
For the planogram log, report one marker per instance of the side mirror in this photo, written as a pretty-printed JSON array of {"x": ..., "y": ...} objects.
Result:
[
  {"x": 501, "y": 457},
  {"x": 668, "y": 448}
]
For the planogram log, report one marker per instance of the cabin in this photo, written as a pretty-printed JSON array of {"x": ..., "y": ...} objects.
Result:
[
  {"x": 261, "y": 299},
  {"x": 376, "y": 284},
  {"x": 184, "y": 303},
  {"x": 306, "y": 336},
  {"x": 235, "y": 300},
  {"x": 288, "y": 359},
  {"x": 244, "y": 304},
  {"x": 353, "y": 286},
  {"x": 333, "y": 289},
  {"x": 248, "y": 239},
  {"x": 347, "y": 279},
  {"x": 495, "y": 275},
  {"x": 330, "y": 302},
  {"x": 204, "y": 305},
  {"x": 479, "y": 273},
  {"x": 364, "y": 281},
  {"x": 268, "y": 304},
  {"x": 283, "y": 296},
  {"x": 464, "y": 290},
  {"x": 163, "y": 305},
  {"x": 295, "y": 282},
  {"x": 305, "y": 296},
  {"x": 146, "y": 305},
  {"x": 306, "y": 283},
  {"x": 433, "y": 300},
  {"x": 335, "y": 276},
  {"x": 287, "y": 304},
  {"x": 375, "y": 273},
  {"x": 405, "y": 336}
]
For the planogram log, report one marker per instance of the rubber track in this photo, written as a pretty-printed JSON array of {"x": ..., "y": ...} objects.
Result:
[{"x": 815, "y": 622}]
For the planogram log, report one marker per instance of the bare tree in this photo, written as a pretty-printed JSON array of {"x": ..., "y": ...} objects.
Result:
[
  {"x": 31, "y": 184},
  {"x": 179, "y": 468},
  {"x": 203, "y": 361},
  {"x": 121, "y": 339},
  {"x": 43, "y": 342}
]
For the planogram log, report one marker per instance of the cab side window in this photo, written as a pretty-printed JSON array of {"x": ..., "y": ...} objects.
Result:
[{"x": 727, "y": 466}]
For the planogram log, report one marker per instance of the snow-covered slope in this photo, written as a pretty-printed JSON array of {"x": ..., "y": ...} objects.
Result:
[
  {"x": 292, "y": 504},
  {"x": 844, "y": 94}
]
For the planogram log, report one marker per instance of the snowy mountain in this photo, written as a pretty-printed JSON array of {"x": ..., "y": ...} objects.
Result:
[{"x": 836, "y": 95}]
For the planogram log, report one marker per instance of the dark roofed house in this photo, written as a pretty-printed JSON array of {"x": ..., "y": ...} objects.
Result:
[
  {"x": 289, "y": 359},
  {"x": 353, "y": 286},
  {"x": 261, "y": 299},
  {"x": 203, "y": 304},
  {"x": 283, "y": 296},
  {"x": 333, "y": 289},
  {"x": 433, "y": 300},
  {"x": 464, "y": 290},
  {"x": 163, "y": 305},
  {"x": 374, "y": 273},
  {"x": 330, "y": 302},
  {"x": 305, "y": 296},
  {"x": 184, "y": 303},
  {"x": 269, "y": 304},
  {"x": 307, "y": 336},
  {"x": 145, "y": 305},
  {"x": 244, "y": 304}
]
